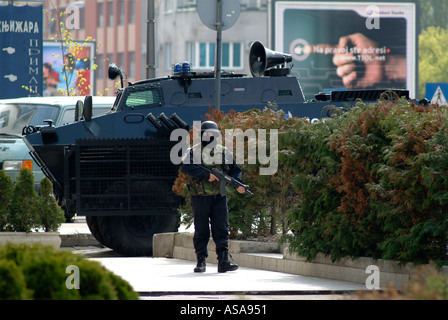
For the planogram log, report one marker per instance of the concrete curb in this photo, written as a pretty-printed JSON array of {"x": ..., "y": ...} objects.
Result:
[
  {"x": 272, "y": 257},
  {"x": 78, "y": 239},
  {"x": 52, "y": 239}
]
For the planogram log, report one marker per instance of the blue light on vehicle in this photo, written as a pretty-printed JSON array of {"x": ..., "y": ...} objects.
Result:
[
  {"x": 186, "y": 66},
  {"x": 177, "y": 68}
]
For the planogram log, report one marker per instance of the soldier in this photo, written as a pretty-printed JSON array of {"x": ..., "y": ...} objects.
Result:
[{"x": 207, "y": 202}]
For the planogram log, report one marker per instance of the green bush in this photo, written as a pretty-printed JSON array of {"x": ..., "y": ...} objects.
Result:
[
  {"x": 265, "y": 212},
  {"x": 12, "y": 282},
  {"x": 373, "y": 182},
  {"x": 6, "y": 187},
  {"x": 39, "y": 272},
  {"x": 23, "y": 214},
  {"x": 22, "y": 209},
  {"x": 50, "y": 213}
]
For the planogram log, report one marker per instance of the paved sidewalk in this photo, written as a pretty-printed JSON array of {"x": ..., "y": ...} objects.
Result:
[
  {"x": 79, "y": 226},
  {"x": 161, "y": 276},
  {"x": 166, "y": 277}
]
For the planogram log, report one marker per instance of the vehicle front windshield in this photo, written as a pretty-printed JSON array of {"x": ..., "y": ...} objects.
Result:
[{"x": 14, "y": 117}]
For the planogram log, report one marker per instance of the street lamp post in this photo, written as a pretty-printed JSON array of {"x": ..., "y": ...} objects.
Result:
[{"x": 151, "y": 42}]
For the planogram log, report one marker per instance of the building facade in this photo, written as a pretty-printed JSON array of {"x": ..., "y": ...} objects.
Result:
[
  {"x": 118, "y": 28},
  {"x": 182, "y": 36}
]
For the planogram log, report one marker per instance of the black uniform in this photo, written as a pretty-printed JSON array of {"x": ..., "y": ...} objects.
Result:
[{"x": 210, "y": 207}]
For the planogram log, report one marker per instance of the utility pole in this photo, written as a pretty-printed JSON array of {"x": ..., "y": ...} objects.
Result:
[
  {"x": 151, "y": 42},
  {"x": 218, "y": 15}
]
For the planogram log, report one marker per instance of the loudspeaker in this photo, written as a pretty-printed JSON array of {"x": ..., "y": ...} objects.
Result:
[{"x": 261, "y": 59}]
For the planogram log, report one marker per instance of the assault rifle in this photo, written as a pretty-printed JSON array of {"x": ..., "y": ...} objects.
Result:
[{"x": 225, "y": 179}]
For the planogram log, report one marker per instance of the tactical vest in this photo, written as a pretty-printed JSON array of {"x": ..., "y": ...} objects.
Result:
[{"x": 199, "y": 187}]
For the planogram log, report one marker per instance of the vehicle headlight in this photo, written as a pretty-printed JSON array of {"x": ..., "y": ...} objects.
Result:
[{"x": 17, "y": 165}]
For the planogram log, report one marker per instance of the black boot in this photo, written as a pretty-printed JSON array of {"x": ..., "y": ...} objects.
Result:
[
  {"x": 224, "y": 264},
  {"x": 200, "y": 267}
]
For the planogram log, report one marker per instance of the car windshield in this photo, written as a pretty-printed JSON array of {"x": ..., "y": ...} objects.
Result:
[{"x": 14, "y": 117}]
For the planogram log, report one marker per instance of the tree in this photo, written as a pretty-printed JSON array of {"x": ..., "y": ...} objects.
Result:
[
  {"x": 6, "y": 187},
  {"x": 433, "y": 57},
  {"x": 433, "y": 13},
  {"x": 23, "y": 213},
  {"x": 50, "y": 213},
  {"x": 71, "y": 52}
]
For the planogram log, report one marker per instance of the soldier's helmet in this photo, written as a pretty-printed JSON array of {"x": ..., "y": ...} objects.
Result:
[{"x": 209, "y": 126}]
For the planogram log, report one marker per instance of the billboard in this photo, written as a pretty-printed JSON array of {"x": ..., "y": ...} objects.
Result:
[
  {"x": 348, "y": 45},
  {"x": 20, "y": 51},
  {"x": 68, "y": 68}
]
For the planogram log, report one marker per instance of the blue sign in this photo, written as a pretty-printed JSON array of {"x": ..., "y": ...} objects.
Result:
[
  {"x": 21, "y": 33},
  {"x": 437, "y": 93}
]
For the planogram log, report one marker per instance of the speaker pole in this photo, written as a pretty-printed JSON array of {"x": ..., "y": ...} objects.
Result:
[{"x": 218, "y": 54}]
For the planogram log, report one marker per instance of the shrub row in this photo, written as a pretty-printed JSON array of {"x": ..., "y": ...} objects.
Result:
[
  {"x": 22, "y": 209},
  {"x": 373, "y": 182}
]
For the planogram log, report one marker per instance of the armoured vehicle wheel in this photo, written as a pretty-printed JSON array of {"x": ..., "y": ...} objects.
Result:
[
  {"x": 131, "y": 235},
  {"x": 92, "y": 222}
]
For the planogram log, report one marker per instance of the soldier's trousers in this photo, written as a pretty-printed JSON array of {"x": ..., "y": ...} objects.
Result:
[{"x": 210, "y": 211}]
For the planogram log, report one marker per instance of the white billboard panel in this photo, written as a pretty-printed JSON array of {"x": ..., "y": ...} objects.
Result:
[{"x": 351, "y": 45}]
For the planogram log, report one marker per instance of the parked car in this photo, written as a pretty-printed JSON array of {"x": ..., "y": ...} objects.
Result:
[{"x": 16, "y": 114}]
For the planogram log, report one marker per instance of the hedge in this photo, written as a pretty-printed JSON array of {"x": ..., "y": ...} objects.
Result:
[
  {"x": 22, "y": 209},
  {"x": 370, "y": 181},
  {"x": 373, "y": 182},
  {"x": 39, "y": 272}
]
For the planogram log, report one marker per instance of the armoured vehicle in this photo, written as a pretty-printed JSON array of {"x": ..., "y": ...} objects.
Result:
[{"x": 115, "y": 169}]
